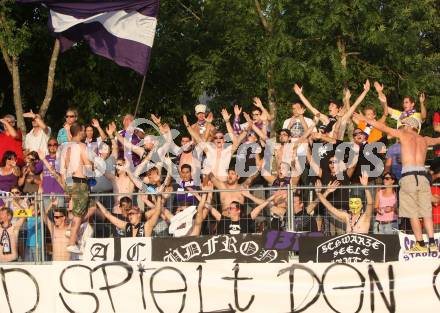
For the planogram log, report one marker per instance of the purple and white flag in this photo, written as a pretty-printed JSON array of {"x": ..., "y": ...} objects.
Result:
[{"x": 122, "y": 31}]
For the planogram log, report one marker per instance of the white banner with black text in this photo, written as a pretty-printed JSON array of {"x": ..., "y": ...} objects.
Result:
[{"x": 220, "y": 286}]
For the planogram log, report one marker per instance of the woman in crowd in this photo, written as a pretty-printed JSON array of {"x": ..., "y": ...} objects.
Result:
[
  {"x": 9, "y": 173},
  {"x": 92, "y": 141},
  {"x": 386, "y": 206},
  {"x": 19, "y": 206},
  {"x": 29, "y": 180}
]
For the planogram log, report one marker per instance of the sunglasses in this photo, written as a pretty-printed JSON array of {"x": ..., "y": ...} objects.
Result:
[
  {"x": 52, "y": 145},
  {"x": 58, "y": 216},
  {"x": 387, "y": 178},
  {"x": 70, "y": 116},
  {"x": 15, "y": 192}
]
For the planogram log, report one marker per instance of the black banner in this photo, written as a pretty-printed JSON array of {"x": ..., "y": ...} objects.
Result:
[
  {"x": 244, "y": 248},
  {"x": 350, "y": 248}
]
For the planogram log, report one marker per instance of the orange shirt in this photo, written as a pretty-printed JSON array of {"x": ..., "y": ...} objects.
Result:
[{"x": 374, "y": 135}]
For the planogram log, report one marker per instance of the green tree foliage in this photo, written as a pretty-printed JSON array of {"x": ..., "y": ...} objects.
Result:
[{"x": 234, "y": 50}]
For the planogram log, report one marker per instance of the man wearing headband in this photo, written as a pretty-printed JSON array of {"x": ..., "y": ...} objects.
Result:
[
  {"x": 356, "y": 220},
  {"x": 408, "y": 105},
  {"x": 415, "y": 191}
]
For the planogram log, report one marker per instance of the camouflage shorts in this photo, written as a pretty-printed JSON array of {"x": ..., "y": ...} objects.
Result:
[{"x": 79, "y": 193}]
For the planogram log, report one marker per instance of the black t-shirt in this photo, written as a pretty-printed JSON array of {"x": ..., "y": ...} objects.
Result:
[
  {"x": 332, "y": 121},
  {"x": 228, "y": 227},
  {"x": 363, "y": 162},
  {"x": 326, "y": 151},
  {"x": 304, "y": 222},
  {"x": 338, "y": 198},
  {"x": 277, "y": 223}
]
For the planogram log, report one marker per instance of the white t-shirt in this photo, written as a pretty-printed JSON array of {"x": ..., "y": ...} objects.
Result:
[
  {"x": 297, "y": 130},
  {"x": 217, "y": 163},
  {"x": 35, "y": 142}
]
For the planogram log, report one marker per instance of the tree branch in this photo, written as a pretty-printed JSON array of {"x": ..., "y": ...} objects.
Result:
[
  {"x": 6, "y": 58},
  {"x": 263, "y": 19},
  {"x": 5, "y": 54},
  {"x": 17, "y": 94},
  {"x": 189, "y": 10},
  {"x": 50, "y": 78}
]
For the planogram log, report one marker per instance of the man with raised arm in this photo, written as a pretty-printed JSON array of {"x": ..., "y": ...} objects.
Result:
[
  {"x": 408, "y": 106},
  {"x": 295, "y": 123},
  {"x": 135, "y": 227},
  {"x": 9, "y": 235},
  {"x": 76, "y": 162},
  {"x": 183, "y": 222},
  {"x": 341, "y": 124},
  {"x": 356, "y": 220},
  {"x": 58, "y": 229},
  {"x": 233, "y": 223},
  {"x": 218, "y": 156},
  {"x": 39, "y": 135},
  {"x": 260, "y": 117},
  {"x": 203, "y": 127},
  {"x": 415, "y": 190},
  {"x": 333, "y": 109},
  {"x": 231, "y": 183}
]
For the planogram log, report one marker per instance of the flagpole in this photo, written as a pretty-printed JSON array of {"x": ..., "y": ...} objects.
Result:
[{"x": 140, "y": 96}]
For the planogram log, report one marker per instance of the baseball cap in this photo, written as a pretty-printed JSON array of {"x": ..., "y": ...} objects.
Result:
[
  {"x": 200, "y": 108},
  {"x": 411, "y": 122}
]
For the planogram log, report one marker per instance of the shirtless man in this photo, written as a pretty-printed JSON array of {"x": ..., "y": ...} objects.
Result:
[
  {"x": 186, "y": 154},
  {"x": 233, "y": 223},
  {"x": 74, "y": 172},
  {"x": 231, "y": 183},
  {"x": 356, "y": 221},
  {"x": 121, "y": 181},
  {"x": 415, "y": 190},
  {"x": 9, "y": 235},
  {"x": 58, "y": 229},
  {"x": 203, "y": 127},
  {"x": 218, "y": 156},
  {"x": 284, "y": 148}
]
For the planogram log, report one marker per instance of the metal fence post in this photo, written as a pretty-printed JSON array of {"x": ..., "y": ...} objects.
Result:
[
  {"x": 42, "y": 212},
  {"x": 290, "y": 215},
  {"x": 36, "y": 257}
]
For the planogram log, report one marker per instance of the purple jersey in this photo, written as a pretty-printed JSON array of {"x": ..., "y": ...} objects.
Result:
[{"x": 49, "y": 183}]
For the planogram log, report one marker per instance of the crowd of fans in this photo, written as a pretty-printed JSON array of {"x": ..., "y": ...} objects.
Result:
[{"x": 213, "y": 182}]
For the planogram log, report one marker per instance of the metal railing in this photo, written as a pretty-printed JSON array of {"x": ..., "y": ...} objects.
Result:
[{"x": 35, "y": 243}]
